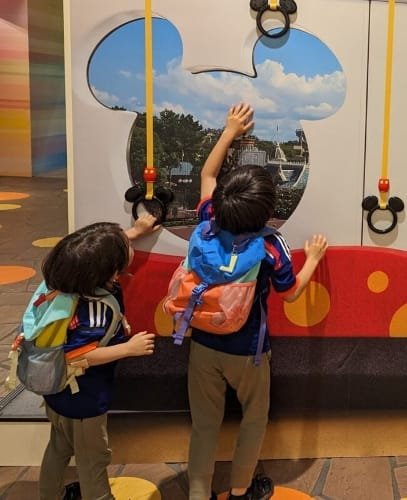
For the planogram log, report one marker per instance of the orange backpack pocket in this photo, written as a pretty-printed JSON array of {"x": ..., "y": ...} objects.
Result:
[{"x": 223, "y": 309}]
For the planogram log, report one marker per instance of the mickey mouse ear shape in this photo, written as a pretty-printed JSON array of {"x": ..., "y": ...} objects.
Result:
[
  {"x": 370, "y": 202},
  {"x": 396, "y": 204},
  {"x": 133, "y": 193},
  {"x": 164, "y": 194}
]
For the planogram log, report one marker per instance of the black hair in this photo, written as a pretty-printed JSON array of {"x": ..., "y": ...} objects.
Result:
[
  {"x": 244, "y": 200},
  {"x": 86, "y": 259}
]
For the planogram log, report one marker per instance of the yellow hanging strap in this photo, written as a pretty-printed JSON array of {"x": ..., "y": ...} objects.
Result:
[
  {"x": 274, "y": 4},
  {"x": 150, "y": 173},
  {"x": 384, "y": 182}
]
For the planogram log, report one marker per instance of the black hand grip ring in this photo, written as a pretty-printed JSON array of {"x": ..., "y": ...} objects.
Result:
[
  {"x": 282, "y": 32},
  {"x": 285, "y": 7},
  {"x": 371, "y": 205}
]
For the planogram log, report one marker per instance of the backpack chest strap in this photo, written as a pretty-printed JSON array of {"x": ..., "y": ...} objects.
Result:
[{"x": 184, "y": 319}]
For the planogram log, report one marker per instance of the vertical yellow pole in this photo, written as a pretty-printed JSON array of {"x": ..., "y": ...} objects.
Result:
[
  {"x": 148, "y": 36},
  {"x": 387, "y": 99}
]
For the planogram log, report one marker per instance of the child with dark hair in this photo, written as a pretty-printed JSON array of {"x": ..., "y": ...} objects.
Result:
[
  {"x": 84, "y": 262},
  {"x": 241, "y": 202}
]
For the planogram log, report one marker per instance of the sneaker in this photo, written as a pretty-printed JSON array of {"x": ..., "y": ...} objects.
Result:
[
  {"x": 262, "y": 488},
  {"x": 72, "y": 491}
]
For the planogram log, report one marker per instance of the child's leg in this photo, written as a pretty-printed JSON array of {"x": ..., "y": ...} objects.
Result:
[
  {"x": 206, "y": 389},
  {"x": 92, "y": 455},
  {"x": 252, "y": 385},
  {"x": 56, "y": 456}
]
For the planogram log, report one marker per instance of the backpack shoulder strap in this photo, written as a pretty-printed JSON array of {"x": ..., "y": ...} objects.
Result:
[
  {"x": 44, "y": 308},
  {"x": 117, "y": 317}
]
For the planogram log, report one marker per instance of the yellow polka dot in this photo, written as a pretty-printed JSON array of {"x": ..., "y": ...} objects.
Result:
[
  {"x": 8, "y": 206},
  {"x": 378, "y": 282},
  {"x": 311, "y": 307},
  {"x": 164, "y": 323},
  {"x": 14, "y": 274},
  {"x": 398, "y": 324},
  {"x": 7, "y": 196},
  {"x": 47, "y": 242},
  {"x": 126, "y": 488}
]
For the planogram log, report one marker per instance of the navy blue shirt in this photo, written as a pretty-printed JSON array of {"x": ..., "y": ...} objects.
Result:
[
  {"x": 89, "y": 325},
  {"x": 276, "y": 270}
]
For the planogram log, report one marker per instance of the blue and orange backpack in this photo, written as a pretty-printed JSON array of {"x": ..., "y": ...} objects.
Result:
[{"x": 214, "y": 287}]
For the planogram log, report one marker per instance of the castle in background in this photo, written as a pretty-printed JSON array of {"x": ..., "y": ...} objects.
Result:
[{"x": 292, "y": 173}]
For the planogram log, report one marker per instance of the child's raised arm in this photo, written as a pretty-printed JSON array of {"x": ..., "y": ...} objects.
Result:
[{"x": 238, "y": 121}]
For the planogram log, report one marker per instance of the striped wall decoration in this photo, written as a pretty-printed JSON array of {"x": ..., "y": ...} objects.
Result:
[
  {"x": 15, "y": 129},
  {"x": 46, "y": 47}
]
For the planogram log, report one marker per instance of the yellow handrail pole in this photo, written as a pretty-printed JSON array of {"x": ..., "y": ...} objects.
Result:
[
  {"x": 148, "y": 40},
  {"x": 387, "y": 105}
]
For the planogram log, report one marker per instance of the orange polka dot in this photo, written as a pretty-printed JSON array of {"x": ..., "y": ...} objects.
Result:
[
  {"x": 163, "y": 322},
  {"x": 398, "y": 324},
  {"x": 14, "y": 274},
  {"x": 7, "y": 196},
  {"x": 8, "y": 206},
  {"x": 378, "y": 282},
  {"x": 311, "y": 307}
]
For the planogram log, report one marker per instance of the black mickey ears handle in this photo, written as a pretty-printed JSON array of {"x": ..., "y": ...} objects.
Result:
[
  {"x": 134, "y": 193},
  {"x": 157, "y": 206},
  {"x": 286, "y": 7},
  {"x": 396, "y": 204},
  {"x": 371, "y": 205}
]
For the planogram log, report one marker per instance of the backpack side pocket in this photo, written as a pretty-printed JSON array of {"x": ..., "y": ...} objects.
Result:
[
  {"x": 42, "y": 369},
  {"x": 179, "y": 290}
]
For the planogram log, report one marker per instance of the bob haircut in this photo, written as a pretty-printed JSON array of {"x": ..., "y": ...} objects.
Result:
[{"x": 87, "y": 259}]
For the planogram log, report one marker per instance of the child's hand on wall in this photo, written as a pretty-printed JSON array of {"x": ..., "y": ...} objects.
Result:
[{"x": 316, "y": 248}]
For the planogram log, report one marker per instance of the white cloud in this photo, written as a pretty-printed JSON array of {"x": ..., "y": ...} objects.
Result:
[
  {"x": 311, "y": 111},
  {"x": 125, "y": 73},
  {"x": 177, "y": 108},
  {"x": 276, "y": 96},
  {"x": 104, "y": 97}
]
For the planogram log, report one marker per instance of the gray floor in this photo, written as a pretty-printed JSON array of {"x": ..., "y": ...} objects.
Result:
[{"x": 44, "y": 215}]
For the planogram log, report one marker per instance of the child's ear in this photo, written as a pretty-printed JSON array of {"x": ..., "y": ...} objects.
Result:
[{"x": 115, "y": 277}]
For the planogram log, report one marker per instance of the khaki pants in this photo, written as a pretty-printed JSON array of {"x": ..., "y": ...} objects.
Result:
[
  {"x": 208, "y": 374},
  {"x": 86, "y": 439}
]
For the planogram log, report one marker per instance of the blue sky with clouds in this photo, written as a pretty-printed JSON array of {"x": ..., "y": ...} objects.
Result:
[{"x": 298, "y": 79}]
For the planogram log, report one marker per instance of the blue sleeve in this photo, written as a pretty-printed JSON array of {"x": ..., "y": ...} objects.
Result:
[
  {"x": 205, "y": 209},
  {"x": 278, "y": 256}
]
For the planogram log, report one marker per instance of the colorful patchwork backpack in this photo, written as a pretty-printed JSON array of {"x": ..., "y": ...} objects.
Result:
[
  {"x": 37, "y": 356},
  {"x": 214, "y": 287}
]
